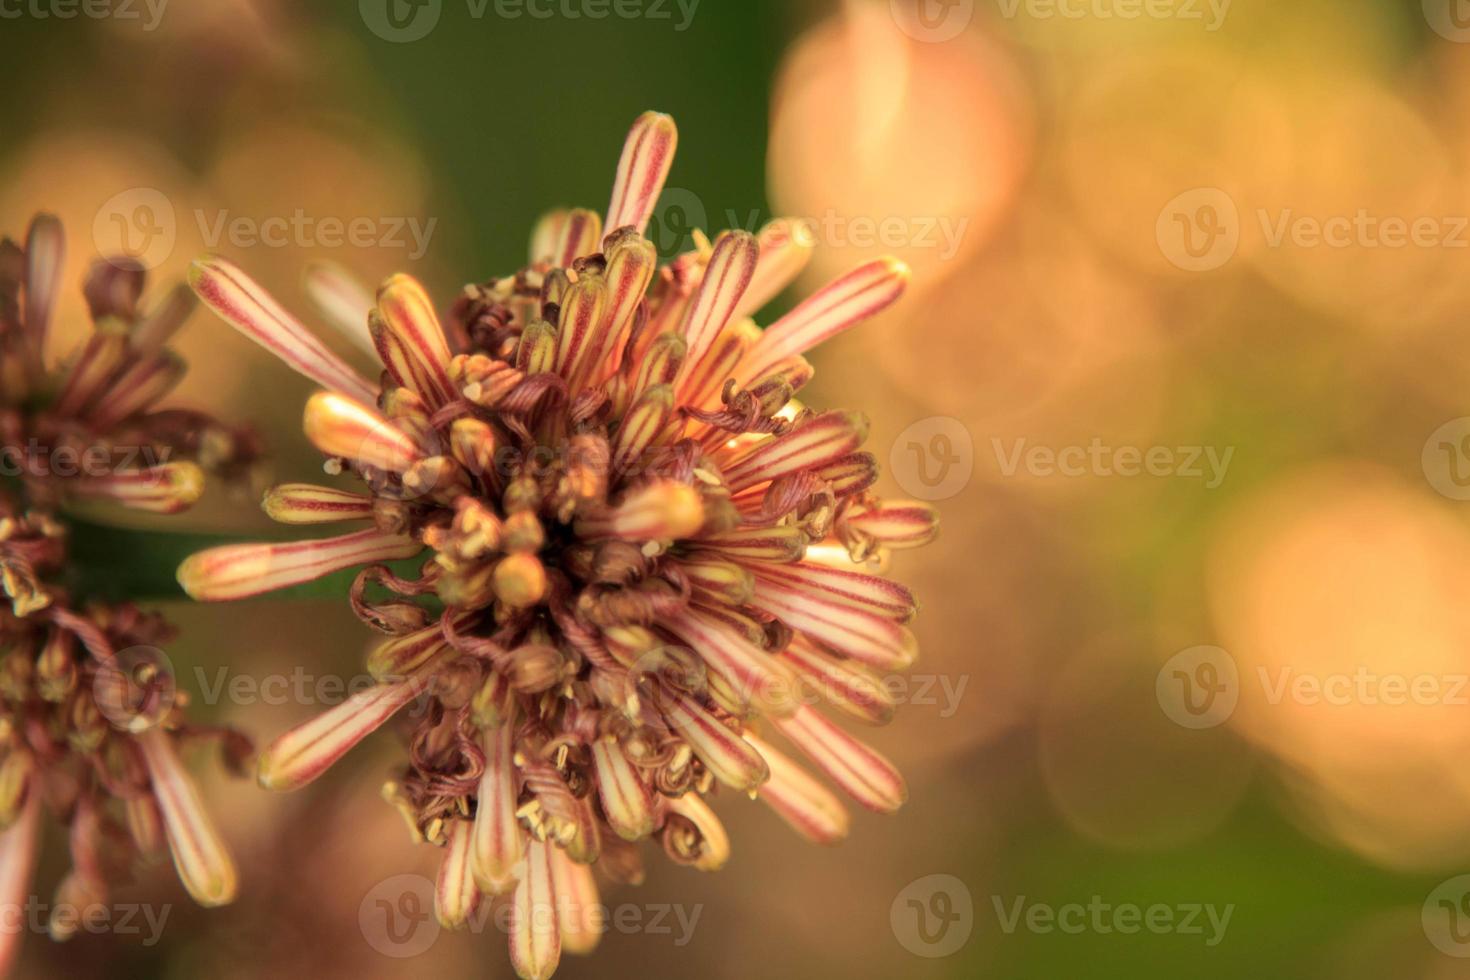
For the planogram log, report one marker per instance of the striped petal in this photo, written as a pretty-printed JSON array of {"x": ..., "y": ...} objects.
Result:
[
  {"x": 139, "y": 385},
  {"x": 871, "y": 639},
  {"x": 731, "y": 267},
  {"x": 535, "y": 933},
  {"x": 499, "y": 841},
  {"x": 878, "y": 595},
  {"x": 343, "y": 301},
  {"x": 843, "y": 684},
  {"x": 625, "y": 796},
  {"x": 582, "y": 315},
  {"x": 810, "y": 808},
  {"x": 301, "y": 755},
  {"x": 45, "y": 259},
  {"x": 648, "y": 154},
  {"x": 579, "y": 913},
  {"x": 101, "y": 357},
  {"x": 757, "y": 677},
  {"x": 410, "y": 340},
  {"x": 156, "y": 329},
  {"x": 780, "y": 543},
  {"x": 403, "y": 656},
  {"x": 242, "y": 304},
  {"x": 238, "y": 571},
  {"x": 863, "y": 774},
  {"x": 455, "y": 893},
  {"x": 578, "y": 235},
  {"x": 787, "y": 245},
  {"x": 644, "y": 421},
  {"x": 724, "y": 754},
  {"x": 863, "y": 293},
  {"x": 19, "y": 848},
  {"x": 305, "y": 503},
  {"x": 813, "y": 443},
  {"x": 893, "y": 523},
  {"x": 166, "y": 489},
  {"x": 200, "y": 855},
  {"x": 342, "y": 426},
  {"x": 631, "y": 263}
]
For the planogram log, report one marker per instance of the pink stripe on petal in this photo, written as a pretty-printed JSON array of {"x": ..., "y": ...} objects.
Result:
[
  {"x": 730, "y": 269},
  {"x": 410, "y": 340},
  {"x": 625, "y": 796},
  {"x": 874, "y": 593},
  {"x": 535, "y": 933},
  {"x": 756, "y": 676},
  {"x": 647, "y": 156},
  {"x": 455, "y": 894},
  {"x": 810, "y": 808},
  {"x": 238, "y": 571},
  {"x": 846, "y": 302},
  {"x": 786, "y": 246},
  {"x": 200, "y": 855},
  {"x": 854, "y": 632},
  {"x": 343, "y": 301},
  {"x": 243, "y": 304},
  {"x": 863, "y": 774},
  {"x": 305, "y": 503},
  {"x": 301, "y": 755},
  {"x": 499, "y": 841},
  {"x": 728, "y": 758},
  {"x": 813, "y": 443}
]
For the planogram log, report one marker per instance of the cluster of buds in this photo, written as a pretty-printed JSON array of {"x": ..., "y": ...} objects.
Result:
[
  {"x": 90, "y": 725},
  {"x": 643, "y": 548}
]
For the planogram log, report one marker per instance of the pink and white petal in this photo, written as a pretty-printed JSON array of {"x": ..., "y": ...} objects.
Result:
[
  {"x": 238, "y": 571},
  {"x": 243, "y": 304},
  {"x": 647, "y": 156},
  {"x": 863, "y": 774}
]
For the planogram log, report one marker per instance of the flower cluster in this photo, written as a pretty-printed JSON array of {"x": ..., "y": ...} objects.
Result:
[
  {"x": 640, "y": 549},
  {"x": 89, "y": 726}
]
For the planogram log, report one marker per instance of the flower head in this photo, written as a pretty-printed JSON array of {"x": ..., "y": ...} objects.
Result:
[
  {"x": 90, "y": 724},
  {"x": 643, "y": 548}
]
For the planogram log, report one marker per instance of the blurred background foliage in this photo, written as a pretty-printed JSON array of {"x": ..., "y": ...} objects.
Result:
[{"x": 1058, "y": 314}]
